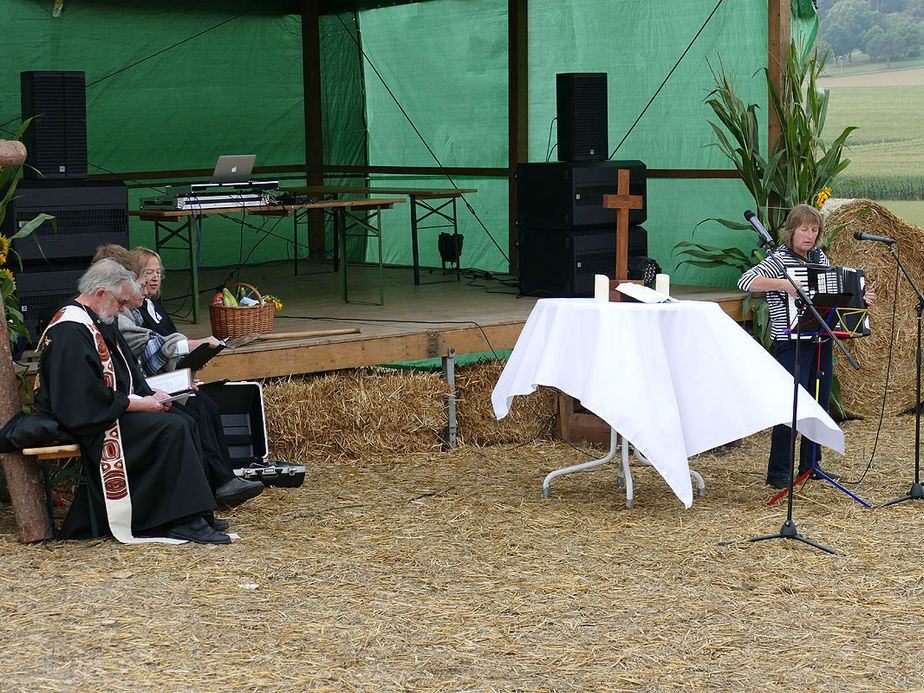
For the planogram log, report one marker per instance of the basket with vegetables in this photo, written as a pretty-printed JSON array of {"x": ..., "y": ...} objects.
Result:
[{"x": 239, "y": 310}]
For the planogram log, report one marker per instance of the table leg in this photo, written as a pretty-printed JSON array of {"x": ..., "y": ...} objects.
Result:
[
  {"x": 192, "y": 223},
  {"x": 186, "y": 235},
  {"x": 340, "y": 231},
  {"x": 414, "y": 247},
  {"x": 455, "y": 239},
  {"x": 295, "y": 243},
  {"x": 377, "y": 227},
  {"x": 627, "y": 473},
  {"x": 587, "y": 465}
]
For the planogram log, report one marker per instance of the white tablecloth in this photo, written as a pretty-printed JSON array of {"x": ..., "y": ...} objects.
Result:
[{"x": 675, "y": 379}]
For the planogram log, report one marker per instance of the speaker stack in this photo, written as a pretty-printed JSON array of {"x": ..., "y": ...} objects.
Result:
[
  {"x": 564, "y": 234},
  {"x": 87, "y": 213}
]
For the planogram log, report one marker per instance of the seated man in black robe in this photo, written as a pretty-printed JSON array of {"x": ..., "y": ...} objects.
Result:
[
  {"x": 229, "y": 489},
  {"x": 143, "y": 469}
]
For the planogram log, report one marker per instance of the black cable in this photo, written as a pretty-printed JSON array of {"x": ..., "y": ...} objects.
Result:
[
  {"x": 658, "y": 91},
  {"x": 548, "y": 145},
  {"x": 885, "y": 390},
  {"x": 421, "y": 137}
]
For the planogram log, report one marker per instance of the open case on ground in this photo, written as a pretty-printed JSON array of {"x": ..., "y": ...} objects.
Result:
[{"x": 243, "y": 422}]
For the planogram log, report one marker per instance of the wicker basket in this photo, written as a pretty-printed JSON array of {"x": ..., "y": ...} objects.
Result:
[{"x": 238, "y": 321}]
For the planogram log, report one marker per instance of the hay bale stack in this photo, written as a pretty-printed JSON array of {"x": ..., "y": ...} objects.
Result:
[
  {"x": 358, "y": 414},
  {"x": 374, "y": 412},
  {"x": 862, "y": 390},
  {"x": 529, "y": 418}
]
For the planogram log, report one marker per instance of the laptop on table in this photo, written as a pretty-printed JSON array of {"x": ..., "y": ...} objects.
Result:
[{"x": 233, "y": 168}]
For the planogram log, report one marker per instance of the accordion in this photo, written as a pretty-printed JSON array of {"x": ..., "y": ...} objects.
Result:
[{"x": 837, "y": 294}]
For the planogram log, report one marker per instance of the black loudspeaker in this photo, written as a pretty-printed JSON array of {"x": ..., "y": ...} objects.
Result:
[
  {"x": 566, "y": 195},
  {"x": 556, "y": 264},
  {"x": 582, "y": 116},
  {"x": 56, "y": 140},
  {"x": 88, "y": 214},
  {"x": 41, "y": 291}
]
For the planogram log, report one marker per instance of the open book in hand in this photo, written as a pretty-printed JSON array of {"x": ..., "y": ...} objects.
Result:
[
  {"x": 201, "y": 355},
  {"x": 178, "y": 384}
]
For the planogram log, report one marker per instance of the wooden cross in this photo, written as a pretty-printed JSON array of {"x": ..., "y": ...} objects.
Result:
[{"x": 622, "y": 201}]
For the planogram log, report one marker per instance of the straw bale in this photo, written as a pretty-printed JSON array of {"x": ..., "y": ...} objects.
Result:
[
  {"x": 529, "y": 418},
  {"x": 449, "y": 572},
  {"x": 355, "y": 414},
  {"x": 371, "y": 412},
  {"x": 862, "y": 391}
]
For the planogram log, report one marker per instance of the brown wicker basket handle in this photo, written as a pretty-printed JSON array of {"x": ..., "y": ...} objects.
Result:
[{"x": 252, "y": 288}]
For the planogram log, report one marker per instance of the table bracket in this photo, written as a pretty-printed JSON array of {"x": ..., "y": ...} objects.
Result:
[
  {"x": 371, "y": 225},
  {"x": 432, "y": 210},
  {"x": 625, "y": 476},
  {"x": 186, "y": 232}
]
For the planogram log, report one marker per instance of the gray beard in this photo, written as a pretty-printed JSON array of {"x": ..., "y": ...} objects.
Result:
[{"x": 106, "y": 320}]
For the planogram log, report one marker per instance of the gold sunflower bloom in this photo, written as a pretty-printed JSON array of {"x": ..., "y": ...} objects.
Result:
[{"x": 822, "y": 197}]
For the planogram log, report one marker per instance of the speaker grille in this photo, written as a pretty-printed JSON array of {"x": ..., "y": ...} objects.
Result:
[
  {"x": 56, "y": 140},
  {"x": 582, "y": 116}
]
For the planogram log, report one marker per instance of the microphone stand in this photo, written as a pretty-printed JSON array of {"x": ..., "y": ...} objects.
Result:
[
  {"x": 917, "y": 490},
  {"x": 789, "y": 530}
]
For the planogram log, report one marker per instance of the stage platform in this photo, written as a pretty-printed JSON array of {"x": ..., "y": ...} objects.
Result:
[
  {"x": 478, "y": 314},
  {"x": 481, "y": 314}
]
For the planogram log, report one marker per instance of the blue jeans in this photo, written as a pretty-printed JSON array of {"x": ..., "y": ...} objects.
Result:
[{"x": 815, "y": 368}]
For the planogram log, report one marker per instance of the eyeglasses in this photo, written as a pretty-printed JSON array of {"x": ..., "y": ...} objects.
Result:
[{"x": 121, "y": 303}]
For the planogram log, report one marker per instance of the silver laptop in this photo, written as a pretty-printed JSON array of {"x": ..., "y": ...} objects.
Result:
[{"x": 234, "y": 168}]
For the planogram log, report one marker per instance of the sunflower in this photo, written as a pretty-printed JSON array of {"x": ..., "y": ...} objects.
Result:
[
  {"x": 821, "y": 197},
  {"x": 4, "y": 248},
  {"x": 8, "y": 273}
]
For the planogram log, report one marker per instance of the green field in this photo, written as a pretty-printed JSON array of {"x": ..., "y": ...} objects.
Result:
[
  {"x": 887, "y": 149},
  {"x": 909, "y": 211}
]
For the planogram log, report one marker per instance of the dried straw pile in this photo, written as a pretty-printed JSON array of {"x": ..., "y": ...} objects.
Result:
[
  {"x": 355, "y": 414},
  {"x": 529, "y": 417},
  {"x": 371, "y": 412},
  {"x": 448, "y": 572},
  {"x": 863, "y": 390}
]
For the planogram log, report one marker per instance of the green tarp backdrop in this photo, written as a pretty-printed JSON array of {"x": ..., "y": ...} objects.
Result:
[{"x": 171, "y": 85}]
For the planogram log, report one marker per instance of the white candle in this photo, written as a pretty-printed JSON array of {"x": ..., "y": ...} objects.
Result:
[
  {"x": 663, "y": 284},
  {"x": 601, "y": 287}
]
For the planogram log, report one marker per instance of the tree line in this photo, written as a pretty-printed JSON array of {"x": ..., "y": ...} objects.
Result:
[{"x": 885, "y": 30}]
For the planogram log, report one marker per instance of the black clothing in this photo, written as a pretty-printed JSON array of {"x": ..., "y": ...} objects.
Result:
[
  {"x": 165, "y": 473},
  {"x": 155, "y": 318}
]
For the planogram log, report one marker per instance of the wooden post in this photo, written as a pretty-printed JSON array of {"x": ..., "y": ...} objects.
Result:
[
  {"x": 517, "y": 112},
  {"x": 22, "y": 476},
  {"x": 622, "y": 202},
  {"x": 314, "y": 137},
  {"x": 778, "y": 37}
]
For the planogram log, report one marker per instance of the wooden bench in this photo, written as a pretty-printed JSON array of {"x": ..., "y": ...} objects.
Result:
[{"x": 53, "y": 472}]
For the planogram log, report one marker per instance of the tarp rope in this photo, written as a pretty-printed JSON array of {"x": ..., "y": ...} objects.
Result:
[
  {"x": 420, "y": 136},
  {"x": 658, "y": 90},
  {"x": 149, "y": 57}
]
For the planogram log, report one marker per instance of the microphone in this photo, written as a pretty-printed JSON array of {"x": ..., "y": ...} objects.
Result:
[
  {"x": 765, "y": 237},
  {"x": 860, "y": 236}
]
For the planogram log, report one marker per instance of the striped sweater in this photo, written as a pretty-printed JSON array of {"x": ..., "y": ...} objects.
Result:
[{"x": 774, "y": 267}]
